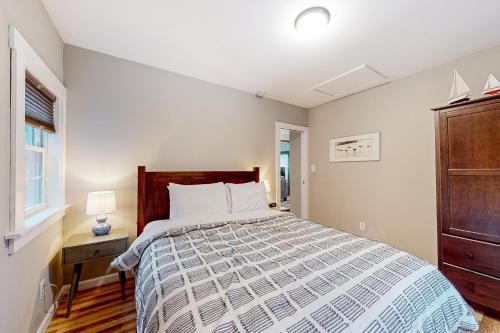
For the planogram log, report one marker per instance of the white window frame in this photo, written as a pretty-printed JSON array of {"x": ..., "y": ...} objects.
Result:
[
  {"x": 41, "y": 206},
  {"x": 22, "y": 228}
]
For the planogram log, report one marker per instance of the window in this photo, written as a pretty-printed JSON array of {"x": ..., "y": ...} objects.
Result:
[
  {"x": 39, "y": 121},
  {"x": 35, "y": 157},
  {"x": 38, "y": 134}
]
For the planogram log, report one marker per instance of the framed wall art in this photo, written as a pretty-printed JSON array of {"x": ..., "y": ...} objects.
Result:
[{"x": 365, "y": 147}]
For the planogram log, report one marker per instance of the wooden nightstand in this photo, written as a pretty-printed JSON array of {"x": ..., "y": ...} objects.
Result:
[{"x": 86, "y": 247}]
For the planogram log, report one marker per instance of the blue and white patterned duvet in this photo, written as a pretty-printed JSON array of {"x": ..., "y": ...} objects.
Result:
[{"x": 284, "y": 274}]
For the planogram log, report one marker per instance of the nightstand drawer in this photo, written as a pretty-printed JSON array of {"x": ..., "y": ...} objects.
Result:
[{"x": 88, "y": 252}]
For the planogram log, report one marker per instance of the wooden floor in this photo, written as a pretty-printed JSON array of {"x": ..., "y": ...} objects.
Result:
[
  {"x": 102, "y": 309},
  {"x": 98, "y": 309},
  {"x": 487, "y": 323}
]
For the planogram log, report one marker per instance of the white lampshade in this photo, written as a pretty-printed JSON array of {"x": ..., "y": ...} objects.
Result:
[
  {"x": 101, "y": 202},
  {"x": 267, "y": 186}
]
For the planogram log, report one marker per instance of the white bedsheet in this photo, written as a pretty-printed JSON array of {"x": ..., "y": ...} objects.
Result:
[{"x": 159, "y": 226}]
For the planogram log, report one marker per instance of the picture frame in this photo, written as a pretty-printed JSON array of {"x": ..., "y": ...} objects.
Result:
[{"x": 357, "y": 148}]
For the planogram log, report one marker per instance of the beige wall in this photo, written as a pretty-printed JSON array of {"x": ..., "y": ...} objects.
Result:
[
  {"x": 20, "y": 309},
  {"x": 122, "y": 114},
  {"x": 395, "y": 196}
]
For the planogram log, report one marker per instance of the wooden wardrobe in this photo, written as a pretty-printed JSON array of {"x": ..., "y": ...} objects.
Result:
[{"x": 468, "y": 198}]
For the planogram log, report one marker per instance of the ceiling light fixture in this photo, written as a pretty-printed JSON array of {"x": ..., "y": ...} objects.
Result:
[
  {"x": 312, "y": 20},
  {"x": 260, "y": 94}
]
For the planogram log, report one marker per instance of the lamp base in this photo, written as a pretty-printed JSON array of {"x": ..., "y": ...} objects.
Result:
[{"x": 102, "y": 227}]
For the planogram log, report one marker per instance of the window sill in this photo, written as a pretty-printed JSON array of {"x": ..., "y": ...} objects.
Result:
[{"x": 33, "y": 226}]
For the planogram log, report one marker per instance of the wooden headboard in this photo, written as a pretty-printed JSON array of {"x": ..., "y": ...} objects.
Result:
[{"x": 153, "y": 201}]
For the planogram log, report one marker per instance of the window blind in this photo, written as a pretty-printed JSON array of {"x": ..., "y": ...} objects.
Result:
[{"x": 39, "y": 105}]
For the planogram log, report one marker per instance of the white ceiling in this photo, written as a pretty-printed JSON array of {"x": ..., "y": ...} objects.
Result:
[{"x": 252, "y": 45}]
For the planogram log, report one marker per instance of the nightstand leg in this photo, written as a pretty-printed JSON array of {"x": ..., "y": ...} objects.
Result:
[
  {"x": 77, "y": 271},
  {"x": 123, "y": 280}
]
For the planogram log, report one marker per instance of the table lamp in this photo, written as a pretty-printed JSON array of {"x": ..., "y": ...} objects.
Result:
[{"x": 101, "y": 203}]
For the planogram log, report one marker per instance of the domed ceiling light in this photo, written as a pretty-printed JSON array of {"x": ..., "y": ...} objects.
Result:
[{"x": 312, "y": 20}]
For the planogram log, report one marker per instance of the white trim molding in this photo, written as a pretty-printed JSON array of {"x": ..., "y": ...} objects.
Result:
[
  {"x": 22, "y": 228},
  {"x": 46, "y": 320},
  {"x": 304, "y": 164},
  {"x": 33, "y": 226},
  {"x": 42, "y": 328},
  {"x": 94, "y": 282}
]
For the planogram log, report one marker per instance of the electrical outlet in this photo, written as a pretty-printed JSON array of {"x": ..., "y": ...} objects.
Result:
[
  {"x": 313, "y": 167},
  {"x": 362, "y": 226},
  {"x": 43, "y": 285}
]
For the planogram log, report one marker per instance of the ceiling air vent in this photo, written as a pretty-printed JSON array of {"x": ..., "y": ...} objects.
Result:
[{"x": 356, "y": 80}]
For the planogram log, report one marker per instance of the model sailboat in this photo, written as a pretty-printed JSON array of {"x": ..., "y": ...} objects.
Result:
[
  {"x": 460, "y": 91},
  {"x": 492, "y": 86}
]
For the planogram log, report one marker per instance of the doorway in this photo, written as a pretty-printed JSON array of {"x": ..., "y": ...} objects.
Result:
[{"x": 292, "y": 176}]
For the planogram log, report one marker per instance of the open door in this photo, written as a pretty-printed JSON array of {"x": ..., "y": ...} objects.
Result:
[{"x": 292, "y": 185}]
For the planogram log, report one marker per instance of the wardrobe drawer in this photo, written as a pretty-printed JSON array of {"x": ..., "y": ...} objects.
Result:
[
  {"x": 475, "y": 255},
  {"x": 475, "y": 287}
]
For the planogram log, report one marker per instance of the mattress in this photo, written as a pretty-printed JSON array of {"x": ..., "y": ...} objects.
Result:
[{"x": 269, "y": 272}]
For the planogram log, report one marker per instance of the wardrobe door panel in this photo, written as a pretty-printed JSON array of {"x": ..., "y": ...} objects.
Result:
[
  {"x": 474, "y": 207},
  {"x": 474, "y": 141}
]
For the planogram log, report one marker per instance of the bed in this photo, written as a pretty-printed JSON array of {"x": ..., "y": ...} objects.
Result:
[{"x": 267, "y": 271}]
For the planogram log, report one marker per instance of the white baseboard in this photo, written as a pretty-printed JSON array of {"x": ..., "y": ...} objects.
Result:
[
  {"x": 95, "y": 282},
  {"x": 46, "y": 320},
  {"x": 48, "y": 316}
]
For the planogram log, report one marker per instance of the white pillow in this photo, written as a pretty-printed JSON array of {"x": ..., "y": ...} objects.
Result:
[
  {"x": 247, "y": 197},
  {"x": 228, "y": 198},
  {"x": 197, "y": 200}
]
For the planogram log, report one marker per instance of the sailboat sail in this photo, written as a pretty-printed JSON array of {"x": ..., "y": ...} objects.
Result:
[
  {"x": 460, "y": 91},
  {"x": 492, "y": 86}
]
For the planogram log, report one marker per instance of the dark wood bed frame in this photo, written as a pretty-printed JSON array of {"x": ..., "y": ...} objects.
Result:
[{"x": 153, "y": 202}]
